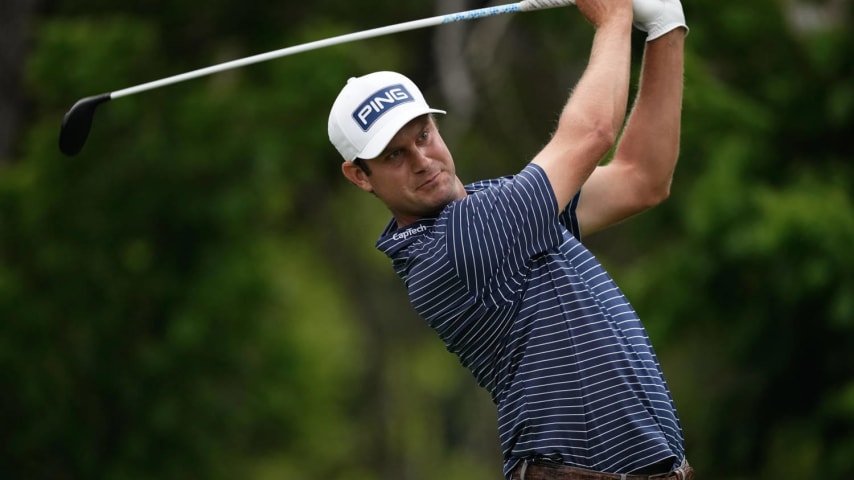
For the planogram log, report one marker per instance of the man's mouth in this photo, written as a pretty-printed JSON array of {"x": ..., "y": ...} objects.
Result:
[{"x": 430, "y": 181}]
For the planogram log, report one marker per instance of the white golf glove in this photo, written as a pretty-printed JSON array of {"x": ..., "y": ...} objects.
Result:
[{"x": 657, "y": 17}]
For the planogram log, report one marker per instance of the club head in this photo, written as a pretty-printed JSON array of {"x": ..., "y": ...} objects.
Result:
[{"x": 77, "y": 123}]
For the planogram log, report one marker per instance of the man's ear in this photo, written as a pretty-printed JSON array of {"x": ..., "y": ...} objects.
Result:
[{"x": 357, "y": 176}]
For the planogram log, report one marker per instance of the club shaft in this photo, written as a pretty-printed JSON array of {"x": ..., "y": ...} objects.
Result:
[{"x": 351, "y": 37}]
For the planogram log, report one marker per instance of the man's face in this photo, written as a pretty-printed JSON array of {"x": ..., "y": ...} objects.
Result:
[{"x": 414, "y": 176}]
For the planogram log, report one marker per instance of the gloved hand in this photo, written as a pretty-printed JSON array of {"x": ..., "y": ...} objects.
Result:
[{"x": 657, "y": 17}]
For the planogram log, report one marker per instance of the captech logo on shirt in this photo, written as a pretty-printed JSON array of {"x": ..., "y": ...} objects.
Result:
[
  {"x": 409, "y": 232},
  {"x": 379, "y": 103}
]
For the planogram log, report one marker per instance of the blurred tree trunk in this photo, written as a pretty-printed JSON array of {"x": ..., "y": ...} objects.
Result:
[
  {"x": 15, "y": 18},
  {"x": 454, "y": 75},
  {"x": 465, "y": 54}
]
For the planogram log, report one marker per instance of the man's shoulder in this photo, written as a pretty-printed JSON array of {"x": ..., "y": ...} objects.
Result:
[
  {"x": 530, "y": 170},
  {"x": 481, "y": 185}
]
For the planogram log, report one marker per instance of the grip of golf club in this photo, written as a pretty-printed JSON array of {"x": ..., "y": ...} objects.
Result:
[{"x": 528, "y": 5}]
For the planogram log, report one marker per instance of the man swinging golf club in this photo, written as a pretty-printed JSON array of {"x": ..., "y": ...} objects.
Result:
[{"x": 497, "y": 267}]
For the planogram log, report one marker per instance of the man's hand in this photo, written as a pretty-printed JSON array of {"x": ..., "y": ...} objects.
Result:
[
  {"x": 657, "y": 17},
  {"x": 598, "y": 12}
]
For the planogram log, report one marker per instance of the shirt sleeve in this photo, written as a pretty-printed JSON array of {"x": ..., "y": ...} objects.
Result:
[
  {"x": 494, "y": 234},
  {"x": 569, "y": 219}
]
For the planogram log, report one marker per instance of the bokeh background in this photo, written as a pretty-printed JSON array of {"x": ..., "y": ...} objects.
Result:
[{"x": 197, "y": 296}]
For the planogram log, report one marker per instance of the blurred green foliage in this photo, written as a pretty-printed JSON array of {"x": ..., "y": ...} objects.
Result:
[{"x": 196, "y": 295}]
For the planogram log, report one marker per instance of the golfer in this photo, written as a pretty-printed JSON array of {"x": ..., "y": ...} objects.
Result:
[{"x": 497, "y": 267}]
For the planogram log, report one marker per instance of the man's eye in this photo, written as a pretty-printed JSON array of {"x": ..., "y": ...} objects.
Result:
[{"x": 394, "y": 154}]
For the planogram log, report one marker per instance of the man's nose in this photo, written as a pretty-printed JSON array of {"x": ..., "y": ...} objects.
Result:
[{"x": 420, "y": 160}]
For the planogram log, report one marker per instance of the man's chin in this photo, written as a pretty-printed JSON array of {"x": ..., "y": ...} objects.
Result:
[{"x": 440, "y": 199}]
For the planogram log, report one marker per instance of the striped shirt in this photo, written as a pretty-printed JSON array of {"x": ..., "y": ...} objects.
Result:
[{"x": 506, "y": 283}]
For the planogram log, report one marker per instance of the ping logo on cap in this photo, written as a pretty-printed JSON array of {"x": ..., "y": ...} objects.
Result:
[{"x": 379, "y": 103}]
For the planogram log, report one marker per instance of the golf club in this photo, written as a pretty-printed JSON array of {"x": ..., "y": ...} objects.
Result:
[{"x": 78, "y": 120}]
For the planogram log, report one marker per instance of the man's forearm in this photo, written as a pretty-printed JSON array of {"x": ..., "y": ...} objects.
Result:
[
  {"x": 651, "y": 138},
  {"x": 601, "y": 95}
]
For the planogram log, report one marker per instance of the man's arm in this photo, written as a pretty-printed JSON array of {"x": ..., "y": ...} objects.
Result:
[
  {"x": 639, "y": 175},
  {"x": 594, "y": 114}
]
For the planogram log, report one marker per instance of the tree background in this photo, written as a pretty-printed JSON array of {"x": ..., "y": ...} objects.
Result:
[{"x": 196, "y": 295}]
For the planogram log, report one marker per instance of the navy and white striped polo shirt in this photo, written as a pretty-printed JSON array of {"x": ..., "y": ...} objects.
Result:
[{"x": 510, "y": 289}]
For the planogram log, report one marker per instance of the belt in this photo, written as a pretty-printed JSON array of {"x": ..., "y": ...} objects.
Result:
[{"x": 543, "y": 470}]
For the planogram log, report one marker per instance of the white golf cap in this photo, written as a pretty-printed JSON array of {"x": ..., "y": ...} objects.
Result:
[{"x": 370, "y": 110}]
